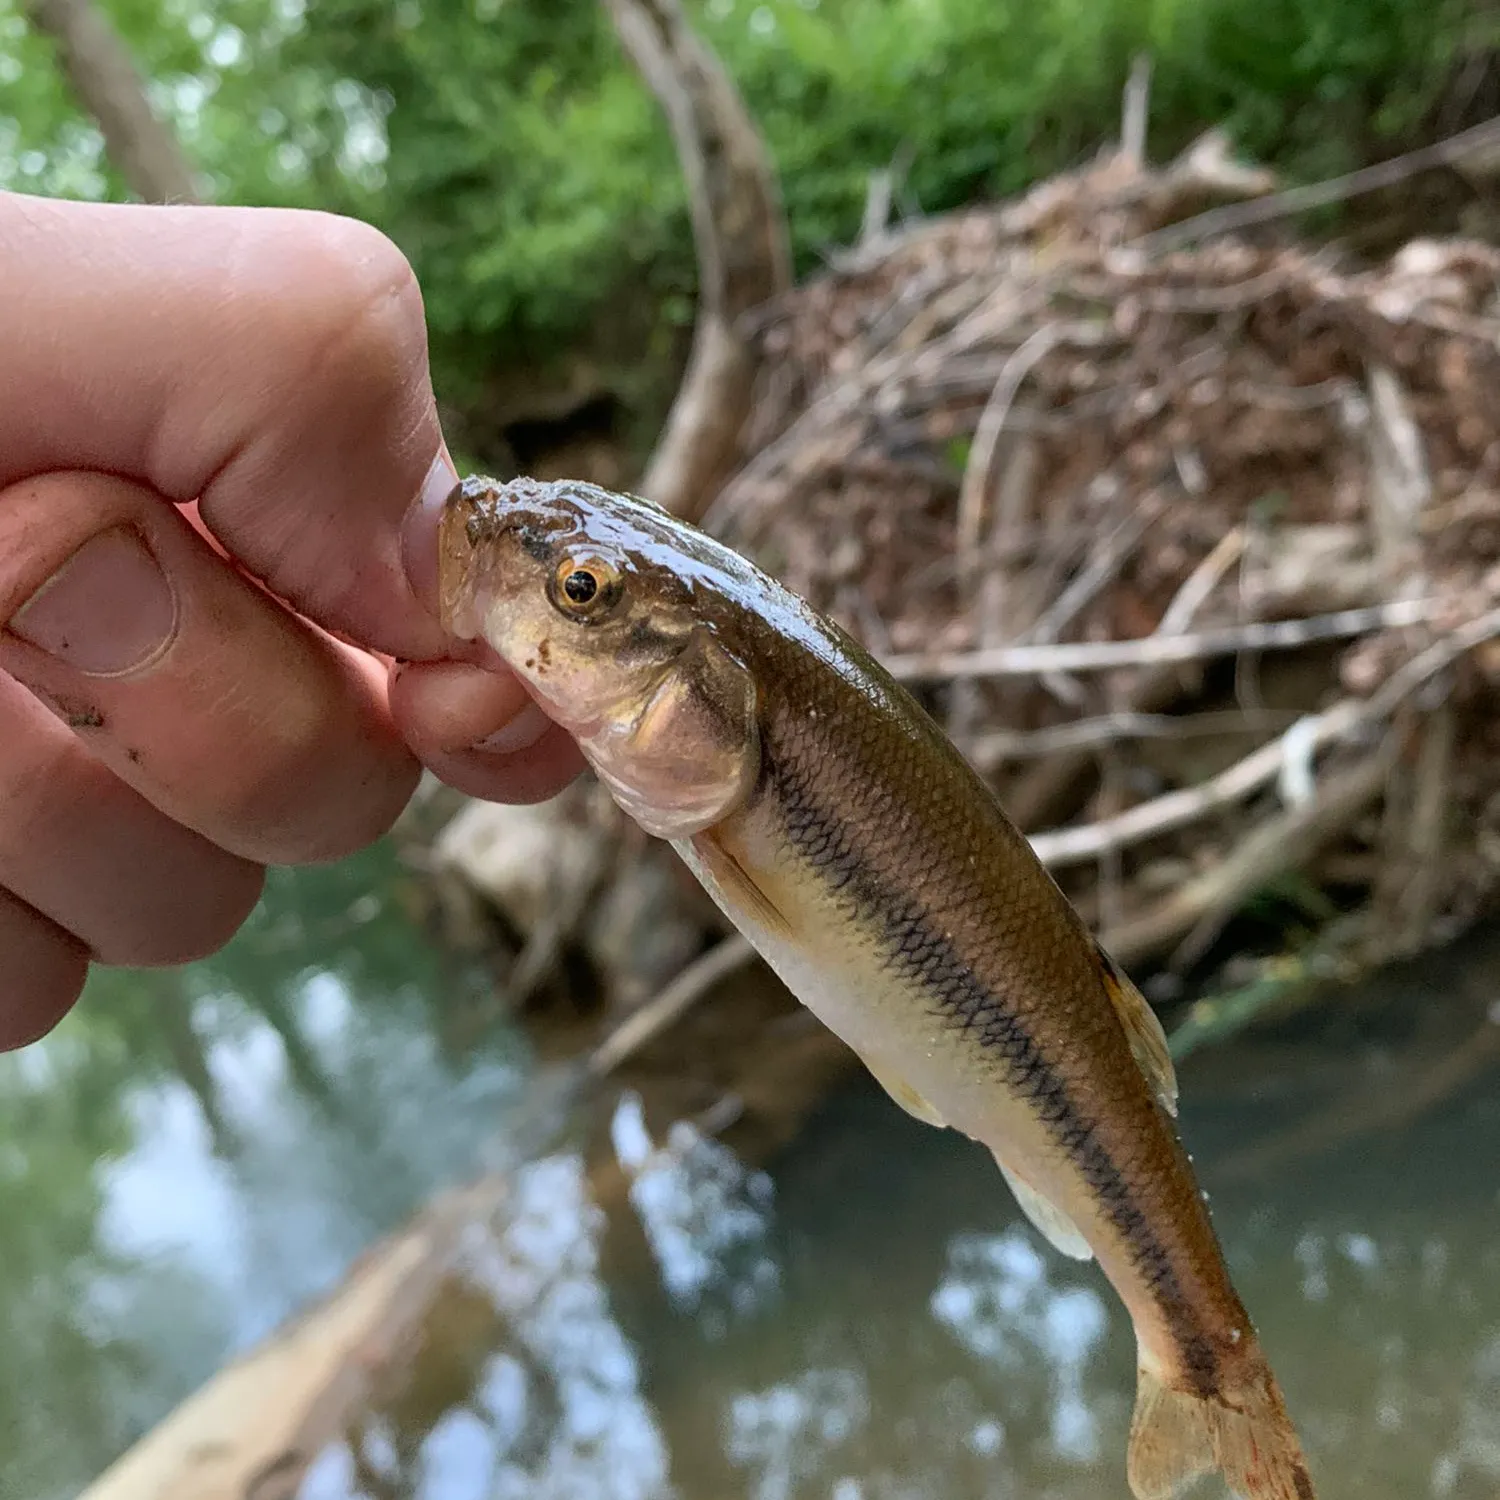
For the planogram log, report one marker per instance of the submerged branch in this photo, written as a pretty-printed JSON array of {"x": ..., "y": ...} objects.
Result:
[
  {"x": 1365, "y": 1110},
  {"x": 653, "y": 1018},
  {"x": 256, "y": 1428}
]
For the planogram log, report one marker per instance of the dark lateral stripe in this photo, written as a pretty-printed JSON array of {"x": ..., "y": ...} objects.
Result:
[{"x": 919, "y": 953}]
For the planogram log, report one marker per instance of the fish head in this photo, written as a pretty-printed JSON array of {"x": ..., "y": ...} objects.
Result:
[{"x": 612, "y": 613}]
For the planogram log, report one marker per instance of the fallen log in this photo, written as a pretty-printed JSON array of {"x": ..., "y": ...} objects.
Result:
[{"x": 256, "y": 1428}]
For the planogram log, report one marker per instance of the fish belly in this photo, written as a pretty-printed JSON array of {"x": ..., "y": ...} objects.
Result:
[{"x": 900, "y": 1035}]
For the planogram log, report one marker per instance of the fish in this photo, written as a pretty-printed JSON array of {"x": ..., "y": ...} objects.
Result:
[{"x": 841, "y": 831}]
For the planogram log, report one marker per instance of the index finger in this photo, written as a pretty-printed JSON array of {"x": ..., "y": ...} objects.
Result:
[{"x": 271, "y": 364}]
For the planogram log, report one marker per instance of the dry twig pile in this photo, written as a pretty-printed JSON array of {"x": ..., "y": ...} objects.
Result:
[
  {"x": 1195, "y": 551},
  {"x": 1192, "y": 542}
]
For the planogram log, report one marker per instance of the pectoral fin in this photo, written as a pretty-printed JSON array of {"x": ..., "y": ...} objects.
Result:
[
  {"x": 906, "y": 1096},
  {"x": 1148, "y": 1042},
  {"x": 737, "y": 885},
  {"x": 1050, "y": 1221}
]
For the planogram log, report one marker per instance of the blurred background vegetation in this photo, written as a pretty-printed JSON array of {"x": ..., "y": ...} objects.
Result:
[{"x": 510, "y": 150}]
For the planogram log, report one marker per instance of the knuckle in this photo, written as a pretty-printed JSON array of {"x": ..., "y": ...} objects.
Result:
[{"x": 370, "y": 319}]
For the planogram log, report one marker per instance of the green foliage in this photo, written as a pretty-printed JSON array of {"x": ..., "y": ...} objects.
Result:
[
  {"x": 1322, "y": 85},
  {"x": 984, "y": 97},
  {"x": 525, "y": 170}
]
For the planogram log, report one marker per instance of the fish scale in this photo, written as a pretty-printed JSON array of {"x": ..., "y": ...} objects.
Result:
[{"x": 841, "y": 831}]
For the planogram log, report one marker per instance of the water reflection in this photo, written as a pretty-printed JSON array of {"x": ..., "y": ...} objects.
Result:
[
  {"x": 794, "y": 1432},
  {"x": 868, "y": 1319},
  {"x": 998, "y": 1302},
  {"x": 706, "y": 1218},
  {"x": 569, "y": 1387},
  {"x": 194, "y": 1154}
]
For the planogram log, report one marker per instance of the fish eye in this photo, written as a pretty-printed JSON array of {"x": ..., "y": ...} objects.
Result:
[
  {"x": 580, "y": 586},
  {"x": 586, "y": 586}
]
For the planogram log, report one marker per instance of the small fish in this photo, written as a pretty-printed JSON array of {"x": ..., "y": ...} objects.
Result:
[{"x": 844, "y": 835}]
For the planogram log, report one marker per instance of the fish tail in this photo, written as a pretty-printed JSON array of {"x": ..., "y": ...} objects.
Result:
[{"x": 1242, "y": 1432}]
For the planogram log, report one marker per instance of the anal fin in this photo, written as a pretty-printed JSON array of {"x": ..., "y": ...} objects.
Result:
[
  {"x": 1050, "y": 1221},
  {"x": 906, "y": 1096},
  {"x": 1143, "y": 1030}
]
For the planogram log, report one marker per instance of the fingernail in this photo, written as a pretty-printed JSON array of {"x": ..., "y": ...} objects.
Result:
[
  {"x": 523, "y": 731},
  {"x": 108, "y": 610},
  {"x": 419, "y": 530}
]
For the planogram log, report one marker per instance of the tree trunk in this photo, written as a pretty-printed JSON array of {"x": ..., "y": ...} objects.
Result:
[
  {"x": 739, "y": 230},
  {"x": 104, "y": 78}
]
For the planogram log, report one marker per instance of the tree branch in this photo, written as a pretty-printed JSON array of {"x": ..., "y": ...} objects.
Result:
[
  {"x": 739, "y": 231},
  {"x": 1194, "y": 912},
  {"x": 1153, "y": 650},
  {"x": 1478, "y": 142},
  {"x": 98, "y": 66}
]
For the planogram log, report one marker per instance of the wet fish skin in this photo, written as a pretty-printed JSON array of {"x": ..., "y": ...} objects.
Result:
[{"x": 843, "y": 833}]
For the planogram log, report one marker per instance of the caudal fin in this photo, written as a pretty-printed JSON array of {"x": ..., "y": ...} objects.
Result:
[{"x": 1245, "y": 1434}]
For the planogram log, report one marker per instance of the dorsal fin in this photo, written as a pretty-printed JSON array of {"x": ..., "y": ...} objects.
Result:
[
  {"x": 1049, "y": 1220},
  {"x": 1148, "y": 1042}
]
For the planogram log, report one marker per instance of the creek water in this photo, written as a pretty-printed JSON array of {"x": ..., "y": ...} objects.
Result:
[{"x": 190, "y": 1158}]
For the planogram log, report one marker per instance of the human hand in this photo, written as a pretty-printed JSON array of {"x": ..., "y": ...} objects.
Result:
[{"x": 168, "y": 728}]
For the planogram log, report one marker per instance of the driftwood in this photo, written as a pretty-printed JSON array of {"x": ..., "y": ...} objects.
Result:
[
  {"x": 256, "y": 1428},
  {"x": 1101, "y": 501}
]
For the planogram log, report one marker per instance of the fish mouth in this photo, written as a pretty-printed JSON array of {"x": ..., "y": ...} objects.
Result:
[{"x": 582, "y": 726}]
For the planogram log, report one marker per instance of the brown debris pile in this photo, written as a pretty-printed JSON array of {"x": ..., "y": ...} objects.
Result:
[
  {"x": 1195, "y": 552},
  {"x": 987, "y": 441}
]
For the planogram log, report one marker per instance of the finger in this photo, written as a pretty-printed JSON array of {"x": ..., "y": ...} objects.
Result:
[
  {"x": 43, "y": 973},
  {"x": 96, "y": 859},
  {"x": 224, "y": 711},
  {"x": 270, "y": 363},
  {"x": 480, "y": 732}
]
